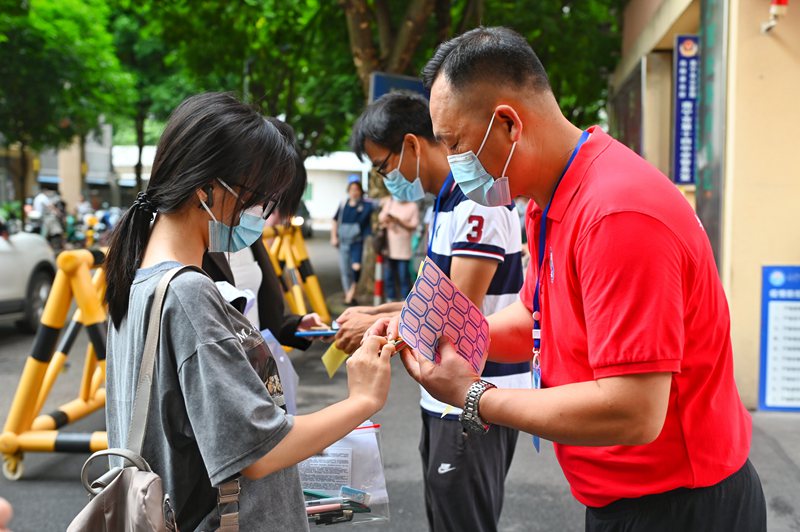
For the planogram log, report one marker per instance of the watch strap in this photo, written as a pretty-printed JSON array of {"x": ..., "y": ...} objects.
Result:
[{"x": 470, "y": 418}]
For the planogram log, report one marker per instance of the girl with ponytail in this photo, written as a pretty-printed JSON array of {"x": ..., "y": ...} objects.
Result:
[{"x": 217, "y": 407}]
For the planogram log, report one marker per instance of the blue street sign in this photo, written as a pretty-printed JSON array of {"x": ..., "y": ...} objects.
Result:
[
  {"x": 685, "y": 76},
  {"x": 381, "y": 83},
  {"x": 780, "y": 339}
]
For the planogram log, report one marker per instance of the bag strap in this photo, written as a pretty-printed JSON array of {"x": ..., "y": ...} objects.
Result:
[
  {"x": 341, "y": 212},
  {"x": 141, "y": 401}
]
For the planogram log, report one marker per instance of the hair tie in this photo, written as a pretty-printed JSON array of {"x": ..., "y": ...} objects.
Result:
[{"x": 143, "y": 204}]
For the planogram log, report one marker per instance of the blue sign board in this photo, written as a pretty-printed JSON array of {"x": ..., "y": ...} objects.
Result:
[
  {"x": 685, "y": 77},
  {"x": 381, "y": 83},
  {"x": 780, "y": 339}
]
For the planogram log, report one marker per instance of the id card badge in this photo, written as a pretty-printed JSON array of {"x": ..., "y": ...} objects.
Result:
[{"x": 536, "y": 376}]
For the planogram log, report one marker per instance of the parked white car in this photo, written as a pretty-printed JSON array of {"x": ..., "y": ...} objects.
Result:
[{"x": 27, "y": 270}]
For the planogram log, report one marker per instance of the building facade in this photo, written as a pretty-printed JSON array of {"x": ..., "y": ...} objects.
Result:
[{"x": 746, "y": 174}]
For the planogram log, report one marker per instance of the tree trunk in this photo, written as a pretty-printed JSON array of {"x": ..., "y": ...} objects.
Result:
[
  {"x": 409, "y": 35},
  {"x": 10, "y": 171},
  {"x": 140, "y": 118},
  {"x": 361, "y": 43},
  {"x": 444, "y": 20},
  {"x": 383, "y": 19},
  {"x": 23, "y": 177},
  {"x": 473, "y": 12}
]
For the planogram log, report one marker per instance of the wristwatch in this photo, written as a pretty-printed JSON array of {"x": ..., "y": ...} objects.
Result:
[{"x": 469, "y": 417}]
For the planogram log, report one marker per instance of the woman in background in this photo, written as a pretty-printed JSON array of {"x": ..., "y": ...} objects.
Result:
[
  {"x": 351, "y": 225},
  {"x": 401, "y": 219}
]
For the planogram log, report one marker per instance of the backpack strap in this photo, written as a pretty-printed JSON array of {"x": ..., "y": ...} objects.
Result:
[{"x": 141, "y": 400}]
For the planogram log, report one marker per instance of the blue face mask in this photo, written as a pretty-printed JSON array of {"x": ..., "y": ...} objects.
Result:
[
  {"x": 399, "y": 187},
  {"x": 223, "y": 238},
  {"x": 476, "y": 183}
]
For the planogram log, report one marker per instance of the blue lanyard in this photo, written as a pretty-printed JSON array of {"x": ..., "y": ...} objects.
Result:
[
  {"x": 537, "y": 315},
  {"x": 445, "y": 187},
  {"x": 536, "y": 365}
]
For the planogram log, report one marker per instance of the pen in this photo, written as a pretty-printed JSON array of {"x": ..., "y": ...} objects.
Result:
[
  {"x": 322, "y": 508},
  {"x": 327, "y": 500}
]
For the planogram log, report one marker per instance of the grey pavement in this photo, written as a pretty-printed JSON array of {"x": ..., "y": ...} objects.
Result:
[{"x": 537, "y": 495}]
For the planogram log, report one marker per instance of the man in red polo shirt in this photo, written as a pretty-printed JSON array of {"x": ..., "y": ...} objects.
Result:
[{"x": 622, "y": 306}]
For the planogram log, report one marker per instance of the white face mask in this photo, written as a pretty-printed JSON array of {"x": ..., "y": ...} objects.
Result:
[{"x": 478, "y": 184}]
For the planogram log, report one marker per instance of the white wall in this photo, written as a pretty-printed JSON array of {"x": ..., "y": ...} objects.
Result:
[
  {"x": 328, "y": 190},
  {"x": 327, "y": 178}
]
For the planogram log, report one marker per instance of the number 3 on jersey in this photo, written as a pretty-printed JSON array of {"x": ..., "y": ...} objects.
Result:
[{"x": 476, "y": 229}]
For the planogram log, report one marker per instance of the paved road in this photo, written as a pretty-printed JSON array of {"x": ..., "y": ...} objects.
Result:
[{"x": 537, "y": 496}]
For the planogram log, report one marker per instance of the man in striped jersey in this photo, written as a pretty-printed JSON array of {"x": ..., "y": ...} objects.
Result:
[{"x": 479, "y": 249}]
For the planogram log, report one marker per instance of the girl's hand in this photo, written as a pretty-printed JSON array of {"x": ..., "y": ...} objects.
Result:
[{"x": 369, "y": 372}]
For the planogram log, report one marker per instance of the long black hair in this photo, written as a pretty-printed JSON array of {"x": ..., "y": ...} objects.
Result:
[{"x": 209, "y": 136}]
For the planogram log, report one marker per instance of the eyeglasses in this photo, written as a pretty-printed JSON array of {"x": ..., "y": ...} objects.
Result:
[
  {"x": 263, "y": 210},
  {"x": 381, "y": 167}
]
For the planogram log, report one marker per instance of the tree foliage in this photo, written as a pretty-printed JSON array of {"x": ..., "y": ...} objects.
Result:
[
  {"x": 307, "y": 61},
  {"x": 157, "y": 85},
  {"x": 578, "y": 42},
  {"x": 290, "y": 59},
  {"x": 58, "y": 71}
]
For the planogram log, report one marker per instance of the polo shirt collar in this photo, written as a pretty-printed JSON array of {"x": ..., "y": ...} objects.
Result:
[{"x": 571, "y": 182}]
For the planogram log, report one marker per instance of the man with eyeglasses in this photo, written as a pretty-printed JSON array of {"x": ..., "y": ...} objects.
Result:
[{"x": 479, "y": 249}]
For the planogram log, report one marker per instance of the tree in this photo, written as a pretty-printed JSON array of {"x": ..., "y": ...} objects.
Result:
[
  {"x": 58, "y": 73},
  {"x": 288, "y": 59},
  {"x": 578, "y": 42},
  {"x": 383, "y": 38},
  {"x": 158, "y": 87},
  {"x": 309, "y": 61}
]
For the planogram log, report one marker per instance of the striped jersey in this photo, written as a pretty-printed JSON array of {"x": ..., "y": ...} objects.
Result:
[{"x": 464, "y": 228}]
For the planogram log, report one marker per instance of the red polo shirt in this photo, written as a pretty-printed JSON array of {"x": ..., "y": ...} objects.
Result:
[{"x": 630, "y": 286}]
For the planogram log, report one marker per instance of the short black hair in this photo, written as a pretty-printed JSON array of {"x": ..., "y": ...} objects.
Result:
[
  {"x": 497, "y": 55},
  {"x": 387, "y": 120}
]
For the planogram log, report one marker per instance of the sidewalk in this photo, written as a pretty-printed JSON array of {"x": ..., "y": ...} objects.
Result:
[{"x": 776, "y": 454}]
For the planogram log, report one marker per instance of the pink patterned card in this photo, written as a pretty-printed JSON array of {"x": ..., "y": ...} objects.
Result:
[{"x": 436, "y": 308}]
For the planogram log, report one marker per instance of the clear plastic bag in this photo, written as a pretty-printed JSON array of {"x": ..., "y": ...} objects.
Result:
[{"x": 348, "y": 474}]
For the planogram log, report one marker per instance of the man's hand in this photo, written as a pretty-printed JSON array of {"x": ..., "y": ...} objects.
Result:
[
  {"x": 449, "y": 380},
  {"x": 352, "y": 311},
  {"x": 351, "y": 332}
]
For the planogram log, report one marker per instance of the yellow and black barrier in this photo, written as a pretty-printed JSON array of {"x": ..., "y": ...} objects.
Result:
[
  {"x": 27, "y": 431},
  {"x": 288, "y": 254}
]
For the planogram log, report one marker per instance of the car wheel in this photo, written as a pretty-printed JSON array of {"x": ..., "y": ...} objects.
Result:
[{"x": 36, "y": 298}]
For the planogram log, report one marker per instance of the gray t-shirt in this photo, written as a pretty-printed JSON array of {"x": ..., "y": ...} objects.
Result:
[{"x": 216, "y": 404}]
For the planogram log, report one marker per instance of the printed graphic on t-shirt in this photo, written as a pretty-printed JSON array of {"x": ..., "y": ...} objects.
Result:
[{"x": 261, "y": 360}]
